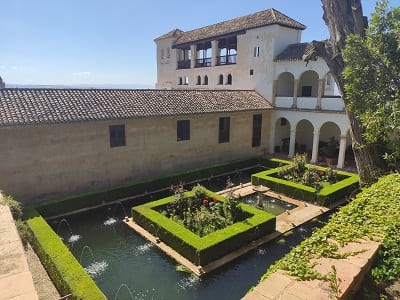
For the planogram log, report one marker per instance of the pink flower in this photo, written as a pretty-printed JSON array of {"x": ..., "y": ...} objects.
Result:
[
  {"x": 205, "y": 201},
  {"x": 321, "y": 173}
]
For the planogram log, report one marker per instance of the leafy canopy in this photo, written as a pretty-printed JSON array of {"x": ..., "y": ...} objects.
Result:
[{"x": 372, "y": 81}]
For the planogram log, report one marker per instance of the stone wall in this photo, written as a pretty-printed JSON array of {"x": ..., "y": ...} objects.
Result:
[{"x": 39, "y": 162}]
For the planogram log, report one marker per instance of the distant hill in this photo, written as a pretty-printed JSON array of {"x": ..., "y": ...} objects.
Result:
[{"x": 80, "y": 86}]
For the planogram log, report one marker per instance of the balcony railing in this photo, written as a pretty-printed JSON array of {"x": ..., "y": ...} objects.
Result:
[
  {"x": 184, "y": 64},
  {"x": 203, "y": 62},
  {"x": 226, "y": 60}
]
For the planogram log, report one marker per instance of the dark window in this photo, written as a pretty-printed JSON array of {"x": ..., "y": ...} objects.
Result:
[
  {"x": 180, "y": 81},
  {"x": 224, "y": 126},
  {"x": 257, "y": 126},
  {"x": 229, "y": 79},
  {"x": 256, "y": 51},
  {"x": 183, "y": 130},
  {"x": 251, "y": 72},
  {"x": 198, "y": 80},
  {"x": 221, "y": 79},
  {"x": 205, "y": 80},
  {"x": 117, "y": 135},
  {"x": 283, "y": 122},
  {"x": 306, "y": 91}
]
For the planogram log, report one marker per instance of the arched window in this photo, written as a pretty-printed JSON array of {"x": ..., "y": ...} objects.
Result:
[
  {"x": 229, "y": 79},
  {"x": 180, "y": 81},
  {"x": 186, "y": 80},
  {"x": 205, "y": 80},
  {"x": 221, "y": 79},
  {"x": 162, "y": 53},
  {"x": 198, "y": 80}
]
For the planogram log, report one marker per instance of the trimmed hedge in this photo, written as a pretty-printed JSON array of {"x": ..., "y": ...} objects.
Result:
[
  {"x": 65, "y": 271},
  {"x": 78, "y": 201},
  {"x": 203, "y": 250},
  {"x": 327, "y": 195}
]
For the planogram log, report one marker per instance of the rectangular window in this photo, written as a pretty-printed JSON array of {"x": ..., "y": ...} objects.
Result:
[
  {"x": 183, "y": 130},
  {"x": 256, "y": 51},
  {"x": 224, "y": 126},
  {"x": 117, "y": 135},
  {"x": 306, "y": 91},
  {"x": 257, "y": 127}
]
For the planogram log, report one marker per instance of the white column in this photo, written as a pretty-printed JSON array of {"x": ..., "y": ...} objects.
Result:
[
  {"x": 272, "y": 138},
  {"x": 342, "y": 152},
  {"x": 193, "y": 53},
  {"x": 295, "y": 92},
  {"x": 321, "y": 91},
  {"x": 314, "y": 156},
  {"x": 292, "y": 142},
  {"x": 214, "y": 52},
  {"x": 274, "y": 89}
]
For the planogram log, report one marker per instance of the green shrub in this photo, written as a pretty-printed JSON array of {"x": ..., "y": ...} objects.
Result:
[
  {"x": 23, "y": 231},
  {"x": 202, "y": 250},
  {"x": 74, "y": 202},
  {"x": 64, "y": 270},
  {"x": 329, "y": 194},
  {"x": 373, "y": 214},
  {"x": 15, "y": 207}
]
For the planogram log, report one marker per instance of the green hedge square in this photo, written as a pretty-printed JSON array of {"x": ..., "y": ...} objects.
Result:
[
  {"x": 203, "y": 250},
  {"x": 325, "y": 196}
]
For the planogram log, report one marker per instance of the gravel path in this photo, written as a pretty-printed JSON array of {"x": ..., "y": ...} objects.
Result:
[{"x": 43, "y": 284}]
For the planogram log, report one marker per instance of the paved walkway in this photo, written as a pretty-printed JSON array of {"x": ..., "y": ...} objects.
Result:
[{"x": 15, "y": 278}]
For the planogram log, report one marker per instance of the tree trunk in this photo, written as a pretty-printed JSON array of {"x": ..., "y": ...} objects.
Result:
[{"x": 345, "y": 17}]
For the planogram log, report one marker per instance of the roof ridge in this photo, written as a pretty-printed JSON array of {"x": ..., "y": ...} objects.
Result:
[{"x": 273, "y": 13}]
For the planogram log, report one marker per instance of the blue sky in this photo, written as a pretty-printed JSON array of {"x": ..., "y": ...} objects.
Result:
[{"x": 111, "y": 41}]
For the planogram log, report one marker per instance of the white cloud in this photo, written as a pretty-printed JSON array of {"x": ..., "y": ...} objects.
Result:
[
  {"x": 82, "y": 73},
  {"x": 13, "y": 68}
]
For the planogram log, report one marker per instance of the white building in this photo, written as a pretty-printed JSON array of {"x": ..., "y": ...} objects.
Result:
[{"x": 261, "y": 52}]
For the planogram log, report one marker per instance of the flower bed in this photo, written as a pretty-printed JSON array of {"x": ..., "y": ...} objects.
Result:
[
  {"x": 227, "y": 225},
  {"x": 323, "y": 192}
]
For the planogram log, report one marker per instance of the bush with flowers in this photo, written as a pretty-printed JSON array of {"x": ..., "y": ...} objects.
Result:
[
  {"x": 298, "y": 172},
  {"x": 202, "y": 214}
]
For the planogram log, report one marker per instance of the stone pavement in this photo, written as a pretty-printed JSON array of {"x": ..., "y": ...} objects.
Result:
[
  {"x": 350, "y": 272},
  {"x": 15, "y": 278}
]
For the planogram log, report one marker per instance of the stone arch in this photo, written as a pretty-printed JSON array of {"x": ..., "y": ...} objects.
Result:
[
  {"x": 198, "y": 80},
  {"x": 229, "y": 79},
  {"x": 308, "y": 84},
  {"x": 205, "y": 80},
  {"x": 304, "y": 136},
  {"x": 221, "y": 79},
  {"x": 282, "y": 135},
  {"x": 285, "y": 85}
]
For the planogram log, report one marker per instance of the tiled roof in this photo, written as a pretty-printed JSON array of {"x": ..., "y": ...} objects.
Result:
[
  {"x": 259, "y": 19},
  {"x": 172, "y": 33},
  {"x": 294, "y": 52},
  {"x": 52, "y": 106}
]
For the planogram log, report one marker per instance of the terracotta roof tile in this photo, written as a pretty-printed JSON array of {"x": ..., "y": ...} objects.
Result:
[
  {"x": 258, "y": 19},
  {"x": 52, "y": 106},
  {"x": 294, "y": 52}
]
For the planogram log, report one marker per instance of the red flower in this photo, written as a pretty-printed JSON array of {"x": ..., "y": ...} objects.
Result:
[
  {"x": 321, "y": 173},
  {"x": 205, "y": 201},
  {"x": 295, "y": 174},
  {"x": 215, "y": 200},
  {"x": 207, "y": 197}
]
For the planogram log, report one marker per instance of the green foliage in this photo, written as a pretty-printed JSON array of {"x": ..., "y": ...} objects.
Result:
[
  {"x": 202, "y": 250},
  {"x": 65, "y": 271},
  {"x": 298, "y": 172},
  {"x": 343, "y": 183},
  {"x": 15, "y": 207},
  {"x": 74, "y": 202},
  {"x": 372, "y": 82},
  {"x": 374, "y": 214},
  {"x": 23, "y": 231}
]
